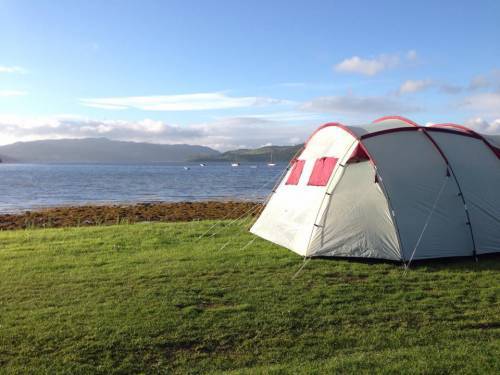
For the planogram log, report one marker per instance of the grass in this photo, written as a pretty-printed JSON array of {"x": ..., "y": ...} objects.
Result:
[{"x": 147, "y": 298}]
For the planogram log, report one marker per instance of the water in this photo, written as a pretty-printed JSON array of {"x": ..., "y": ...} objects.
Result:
[{"x": 31, "y": 186}]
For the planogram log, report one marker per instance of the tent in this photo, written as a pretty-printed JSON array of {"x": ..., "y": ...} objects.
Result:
[{"x": 389, "y": 190}]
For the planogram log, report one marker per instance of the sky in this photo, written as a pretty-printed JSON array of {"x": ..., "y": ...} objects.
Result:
[{"x": 231, "y": 74}]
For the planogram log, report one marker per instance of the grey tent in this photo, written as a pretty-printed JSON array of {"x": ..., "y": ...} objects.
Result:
[{"x": 392, "y": 190}]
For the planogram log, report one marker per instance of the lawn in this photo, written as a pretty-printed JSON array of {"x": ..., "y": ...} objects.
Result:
[{"x": 149, "y": 298}]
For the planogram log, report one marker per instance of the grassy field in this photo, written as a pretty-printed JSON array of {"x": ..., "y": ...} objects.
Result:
[{"x": 147, "y": 298}]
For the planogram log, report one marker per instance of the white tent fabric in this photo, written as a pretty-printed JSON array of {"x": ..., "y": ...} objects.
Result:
[{"x": 390, "y": 190}]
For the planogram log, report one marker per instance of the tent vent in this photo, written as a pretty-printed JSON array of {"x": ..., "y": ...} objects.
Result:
[
  {"x": 322, "y": 171},
  {"x": 294, "y": 177}
]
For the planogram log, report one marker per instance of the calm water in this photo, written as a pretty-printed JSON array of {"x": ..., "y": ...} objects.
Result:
[{"x": 29, "y": 186}]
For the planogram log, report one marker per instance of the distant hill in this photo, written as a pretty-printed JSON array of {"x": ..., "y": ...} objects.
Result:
[
  {"x": 262, "y": 154},
  {"x": 6, "y": 159},
  {"x": 100, "y": 150}
]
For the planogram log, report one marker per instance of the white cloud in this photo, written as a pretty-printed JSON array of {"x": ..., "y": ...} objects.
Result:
[
  {"x": 372, "y": 66},
  {"x": 412, "y": 86},
  {"x": 488, "y": 80},
  {"x": 411, "y": 55},
  {"x": 187, "y": 102},
  {"x": 486, "y": 104},
  {"x": 287, "y": 116},
  {"x": 6, "y": 93},
  {"x": 12, "y": 69},
  {"x": 352, "y": 104},
  {"x": 483, "y": 126},
  {"x": 368, "y": 67}
]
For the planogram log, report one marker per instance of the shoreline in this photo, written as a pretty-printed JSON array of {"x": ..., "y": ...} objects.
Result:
[{"x": 92, "y": 215}]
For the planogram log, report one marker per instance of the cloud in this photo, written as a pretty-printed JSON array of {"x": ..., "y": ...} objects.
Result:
[
  {"x": 352, "y": 104},
  {"x": 187, "y": 102},
  {"x": 411, "y": 55},
  {"x": 6, "y": 93},
  {"x": 12, "y": 69},
  {"x": 484, "y": 81},
  {"x": 292, "y": 116},
  {"x": 483, "y": 126},
  {"x": 450, "y": 88},
  {"x": 487, "y": 104},
  {"x": 223, "y": 134},
  {"x": 412, "y": 86},
  {"x": 372, "y": 66},
  {"x": 368, "y": 67}
]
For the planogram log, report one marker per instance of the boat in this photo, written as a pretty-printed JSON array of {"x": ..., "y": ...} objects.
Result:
[
  {"x": 235, "y": 164},
  {"x": 271, "y": 164},
  {"x": 202, "y": 165},
  {"x": 187, "y": 168}
]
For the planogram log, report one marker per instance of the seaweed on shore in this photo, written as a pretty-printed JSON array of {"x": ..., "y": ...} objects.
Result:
[{"x": 117, "y": 214}]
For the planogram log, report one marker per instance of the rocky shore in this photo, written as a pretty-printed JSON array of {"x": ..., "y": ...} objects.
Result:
[{"x": 118, "y": 214}]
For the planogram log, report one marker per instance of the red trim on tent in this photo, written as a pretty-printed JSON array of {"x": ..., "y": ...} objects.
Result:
[
  {"x": 359, "y": 154},
  {"x": 453, "y": 126},
  {"x": 404, "y": 119},
  {"x": 327, "y": 125},
  {"x": 345, "y": 128},
  {"x": 387, "y": 131},
  {"x": 418, "y": 128},
  {"x": 463, "y": 130},
  {"x": 322, "y": 171},
  {"x": 294, "y": 177},
  {"x": 414, "y": 126},
  {"x": 451, "y": 131}
]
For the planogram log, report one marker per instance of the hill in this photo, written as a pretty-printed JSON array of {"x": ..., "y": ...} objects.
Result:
[
  {"x": 101, "y": 150},
  {"x": 149, "y": 298},
  {"x": 262, "y": 154},
  {"x": 6, "y": 159}
]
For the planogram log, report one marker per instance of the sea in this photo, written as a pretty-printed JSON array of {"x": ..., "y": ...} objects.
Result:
[{"x": 26, "y": 187}]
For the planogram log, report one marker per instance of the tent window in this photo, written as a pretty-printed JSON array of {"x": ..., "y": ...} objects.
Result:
[
  {"x": 322, "y": 171},
  {"x": 294, "y": 177}
]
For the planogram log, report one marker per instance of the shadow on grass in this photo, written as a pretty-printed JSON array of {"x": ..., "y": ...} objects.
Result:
[{"x": 484, "y": 262}]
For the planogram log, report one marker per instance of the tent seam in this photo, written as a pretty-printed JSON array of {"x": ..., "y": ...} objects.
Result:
[
  {"x": 328, "y": 195},
  {"x": 462, "y": 197}
]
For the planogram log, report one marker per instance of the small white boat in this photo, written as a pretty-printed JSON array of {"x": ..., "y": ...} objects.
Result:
[
  {"x": 271, "y": 164},
  {"x": 187, "y": 168},
  {"x": 202, "y": 164},
  {"x": 235, "y": 164}
]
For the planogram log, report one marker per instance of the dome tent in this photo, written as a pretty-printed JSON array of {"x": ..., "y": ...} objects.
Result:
[{"x": 390, "y": 190}]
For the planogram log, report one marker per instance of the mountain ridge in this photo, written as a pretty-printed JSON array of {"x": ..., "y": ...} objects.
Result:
[
  {"x": 100, "y": 150},
  {"x": 104, "y": 150},
  {"x": 261, "y": 154}
]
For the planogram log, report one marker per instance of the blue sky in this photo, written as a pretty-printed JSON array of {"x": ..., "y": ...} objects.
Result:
[{"x": 234, "y": 73}]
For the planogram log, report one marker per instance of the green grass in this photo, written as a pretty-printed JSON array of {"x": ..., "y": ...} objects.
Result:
[{"x": 147, "y": 298}]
